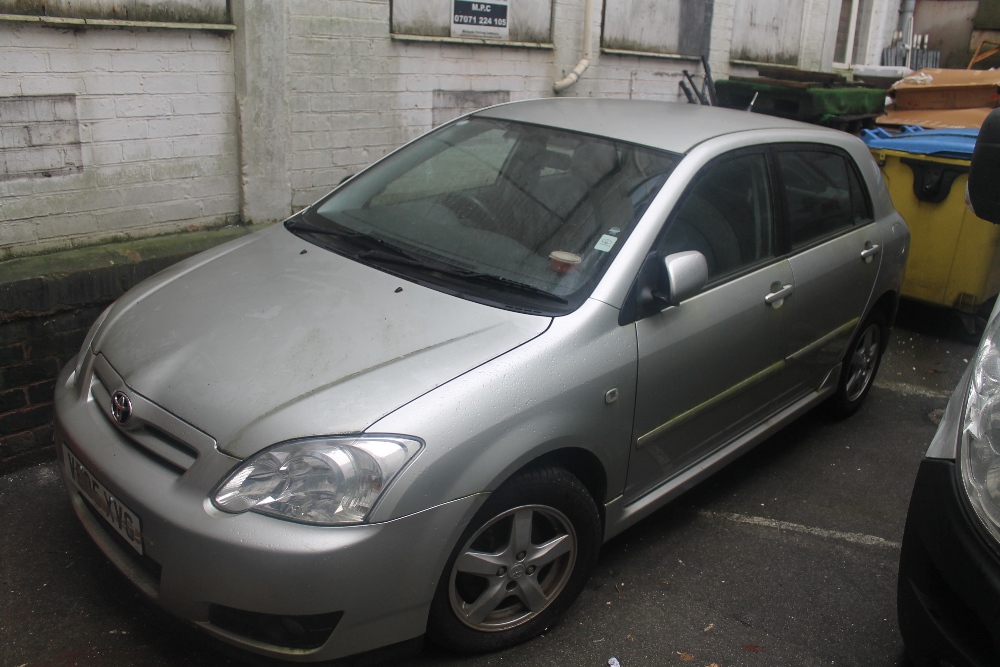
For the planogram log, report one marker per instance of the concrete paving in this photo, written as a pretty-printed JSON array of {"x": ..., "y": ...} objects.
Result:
[{"x": 787, "y": 557}]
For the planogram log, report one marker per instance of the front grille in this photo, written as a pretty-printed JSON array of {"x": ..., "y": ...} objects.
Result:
[
  {"x": 151, "y": 435},
  {"x": 298, "y": 632}
]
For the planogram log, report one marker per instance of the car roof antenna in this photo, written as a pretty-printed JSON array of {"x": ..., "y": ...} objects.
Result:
[{"x": 750, "y": 108}]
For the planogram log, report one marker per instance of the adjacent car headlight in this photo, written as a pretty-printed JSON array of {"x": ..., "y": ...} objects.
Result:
[
  {"x": 979, "y": 457},
  {"x": 326, "y": 481}
]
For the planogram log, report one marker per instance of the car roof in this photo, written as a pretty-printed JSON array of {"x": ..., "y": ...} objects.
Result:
[{"x": 668, "y": 126}]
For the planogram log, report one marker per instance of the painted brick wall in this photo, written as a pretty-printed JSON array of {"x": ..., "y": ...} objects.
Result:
[
  {"x": 32, "y": 351},
  {"x": 157, "y": 135}
]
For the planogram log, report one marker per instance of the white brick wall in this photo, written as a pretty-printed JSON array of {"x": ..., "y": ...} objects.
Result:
[{"x": 157, "y": 133}]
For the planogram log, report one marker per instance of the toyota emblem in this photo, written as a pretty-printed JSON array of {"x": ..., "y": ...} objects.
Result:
[{"x": 121, "y": 407}]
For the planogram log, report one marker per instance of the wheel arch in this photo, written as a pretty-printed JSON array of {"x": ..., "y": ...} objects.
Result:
[
  {"x": 582, "y": 464},
  {"x": 888, "y": 305}
]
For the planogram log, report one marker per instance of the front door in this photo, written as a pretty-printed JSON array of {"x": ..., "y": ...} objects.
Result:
[{"x": 713, "y": 365}]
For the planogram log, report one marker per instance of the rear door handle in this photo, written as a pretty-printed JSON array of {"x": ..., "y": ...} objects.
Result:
[
  {"x": 871, "y": 249},
  {"x": 777, "y": 297}
]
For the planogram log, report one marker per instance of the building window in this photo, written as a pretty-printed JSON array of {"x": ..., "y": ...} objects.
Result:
[
  {"x": 524, "y": 22},
  {"x": 767, "y": 31},
  {"x": 852, "y": 31},
  {"x": 667, "y": 27}
]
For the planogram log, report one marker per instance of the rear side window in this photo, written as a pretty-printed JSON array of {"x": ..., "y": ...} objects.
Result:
[{"x": 822, "y": 192}]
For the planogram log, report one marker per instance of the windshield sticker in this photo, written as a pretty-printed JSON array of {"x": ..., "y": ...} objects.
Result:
[
  {"x": 606, "y": 243},
  {"x": 614, "y": 231}
]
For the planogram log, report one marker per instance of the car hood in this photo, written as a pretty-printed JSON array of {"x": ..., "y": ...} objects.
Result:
[{"x": 270, "y": 338}]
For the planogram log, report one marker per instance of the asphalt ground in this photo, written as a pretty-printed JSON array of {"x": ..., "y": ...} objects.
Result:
[{"x": 786, "y": 557}]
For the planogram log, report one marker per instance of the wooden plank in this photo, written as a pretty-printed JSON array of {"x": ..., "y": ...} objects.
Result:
[
  {"x": 799, "y": 75},
  {"x": 776, "y": 82}
]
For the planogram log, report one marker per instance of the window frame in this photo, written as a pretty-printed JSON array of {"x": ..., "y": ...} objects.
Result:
[
  {"x": 776, "y": 236},
  {"x": 784, "y": 213}
]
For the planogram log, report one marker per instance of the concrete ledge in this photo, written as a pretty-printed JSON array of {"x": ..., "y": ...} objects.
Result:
[
  {"x": 45, "y": 283},
  {"x": 61, "y": 22}
]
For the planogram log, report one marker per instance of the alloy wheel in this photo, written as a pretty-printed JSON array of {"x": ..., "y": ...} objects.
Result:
[
  {"x": 863, "y": 361},
  {"x": 513, "y": 568}
]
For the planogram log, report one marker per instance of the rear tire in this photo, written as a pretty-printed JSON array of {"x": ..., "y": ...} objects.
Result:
[
  {"x": 861, "y": 364},
  {"x": 520, "y": 563}
]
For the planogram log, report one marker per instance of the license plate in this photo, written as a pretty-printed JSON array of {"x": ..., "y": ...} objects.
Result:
[{"x": 121, "y": 518}]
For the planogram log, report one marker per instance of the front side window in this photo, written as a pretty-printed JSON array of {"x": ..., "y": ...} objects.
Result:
[
  {"x": 725, "y": 215},
  {"x": 510, "y": 214}
]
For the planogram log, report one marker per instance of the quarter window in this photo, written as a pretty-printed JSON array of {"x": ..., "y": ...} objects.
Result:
[{"x": 726, "y": 216}]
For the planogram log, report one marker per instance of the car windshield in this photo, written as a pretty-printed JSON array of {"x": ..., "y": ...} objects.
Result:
[{"x": 511, "y": 214}]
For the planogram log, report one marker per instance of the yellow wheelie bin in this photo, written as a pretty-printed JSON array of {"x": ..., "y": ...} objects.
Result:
[{"x": 953, "y": 253}]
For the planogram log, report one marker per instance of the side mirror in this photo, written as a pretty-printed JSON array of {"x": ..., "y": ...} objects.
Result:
[
  {"x": 984, "y": 172},
  {"x": 664, "y": 282},
  {"x": 684, "y": 275}
]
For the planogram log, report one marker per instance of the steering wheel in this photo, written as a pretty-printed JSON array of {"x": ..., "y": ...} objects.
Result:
[{"x": 470, "y": 209}]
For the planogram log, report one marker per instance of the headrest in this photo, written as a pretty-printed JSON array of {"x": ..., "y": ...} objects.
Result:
[{"x": 593, "y": 161}]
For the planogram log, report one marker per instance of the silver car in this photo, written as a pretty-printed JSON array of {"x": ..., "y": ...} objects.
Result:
[{"x": 419, "y": 406}]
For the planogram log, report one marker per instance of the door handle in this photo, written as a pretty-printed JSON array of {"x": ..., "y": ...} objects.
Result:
[
  {"x": 778, "y": 294},
  {"x": 871, "y": 249}
]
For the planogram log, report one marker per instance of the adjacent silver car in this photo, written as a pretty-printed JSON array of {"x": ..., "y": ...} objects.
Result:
[{"x": 419, "y": 406}]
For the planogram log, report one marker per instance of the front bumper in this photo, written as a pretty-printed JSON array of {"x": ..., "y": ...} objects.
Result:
[
  {"x": 948, "y": 596},
  {"x": 375, "y": 581}
]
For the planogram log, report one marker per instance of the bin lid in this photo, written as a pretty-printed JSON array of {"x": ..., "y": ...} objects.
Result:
[{"x": 954, "y": 143}]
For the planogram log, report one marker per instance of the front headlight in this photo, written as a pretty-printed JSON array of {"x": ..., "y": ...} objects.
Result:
[
  {"x": 979, "y": 457},
  {"x": 326, "y": 481}
]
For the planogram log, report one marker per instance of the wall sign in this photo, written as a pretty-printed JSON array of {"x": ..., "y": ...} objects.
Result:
[{"x": 480, "y": 20}]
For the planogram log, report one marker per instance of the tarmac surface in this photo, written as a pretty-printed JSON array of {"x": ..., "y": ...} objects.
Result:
[{"x": 786, "y": 557}]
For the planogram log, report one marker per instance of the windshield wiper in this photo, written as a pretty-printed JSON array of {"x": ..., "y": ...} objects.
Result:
[
  {"x": 507, "y": 284},
  {"x": 380, "y": 252},
  {"x": 391, "y": 255},
  {"x": 300, "y": 225},
  {"x": 387, "y": 254}
]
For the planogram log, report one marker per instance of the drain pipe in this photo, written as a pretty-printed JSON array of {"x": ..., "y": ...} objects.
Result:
[
  {"x": 906, "y": 27},
  {"x": 581, "y": 67}
]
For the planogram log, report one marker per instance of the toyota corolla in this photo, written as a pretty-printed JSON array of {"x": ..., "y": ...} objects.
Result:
[{"x": 420, "y": 405}]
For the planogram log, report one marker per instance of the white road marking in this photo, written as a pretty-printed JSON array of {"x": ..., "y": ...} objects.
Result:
[
  {"x": 856, "y": 538},
  {"x": 908, "y": 389}
]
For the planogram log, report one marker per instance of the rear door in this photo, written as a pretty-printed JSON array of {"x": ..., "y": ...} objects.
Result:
[{"x": 835, "y": 249}]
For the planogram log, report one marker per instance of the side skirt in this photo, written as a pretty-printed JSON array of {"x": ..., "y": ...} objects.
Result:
[{"x": 621, "y": 516}]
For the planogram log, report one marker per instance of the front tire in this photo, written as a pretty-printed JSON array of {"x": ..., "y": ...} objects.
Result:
[
  {"x": 864, "y": 356},
  {"x": 521, "y": 562}
]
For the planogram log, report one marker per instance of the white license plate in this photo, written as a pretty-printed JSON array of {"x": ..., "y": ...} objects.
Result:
[{"x": 121, "y": 518}]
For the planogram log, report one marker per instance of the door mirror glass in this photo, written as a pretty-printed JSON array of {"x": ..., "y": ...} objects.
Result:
[
  {"x": 684, "y": 275},
  {"x": 984, "y": 172}
]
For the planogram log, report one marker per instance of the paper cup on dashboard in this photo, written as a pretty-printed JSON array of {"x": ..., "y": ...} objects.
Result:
[{"x": 561, "y": 261}]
